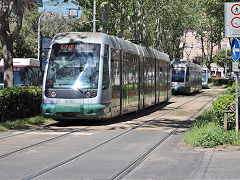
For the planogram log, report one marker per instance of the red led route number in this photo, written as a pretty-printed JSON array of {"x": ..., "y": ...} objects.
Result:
[{"x": 72, "y": 47}]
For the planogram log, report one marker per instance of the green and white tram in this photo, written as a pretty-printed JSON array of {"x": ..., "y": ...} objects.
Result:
[
  {"x": 95, "y": 75},
  {"x": 186, "y": 77},
  {"x": 205, "y": 77}
]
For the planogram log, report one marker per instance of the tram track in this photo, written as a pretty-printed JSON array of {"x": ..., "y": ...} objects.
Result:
[
  {"x": 134, "y": 163},
  {"x": 23, "y": 149},
  {"x": 2, "y": 156}
]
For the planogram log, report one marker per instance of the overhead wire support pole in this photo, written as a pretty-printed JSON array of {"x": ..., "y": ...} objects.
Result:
[
  {"x": 237, "y": 117},
  {"x": 94, "y": 16}
]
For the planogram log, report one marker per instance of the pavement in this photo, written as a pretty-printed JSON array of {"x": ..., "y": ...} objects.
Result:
[{"x": 175, "y": 160}]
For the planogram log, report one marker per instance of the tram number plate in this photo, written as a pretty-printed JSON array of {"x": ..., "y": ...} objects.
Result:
[{"x": 67, "y": 101}]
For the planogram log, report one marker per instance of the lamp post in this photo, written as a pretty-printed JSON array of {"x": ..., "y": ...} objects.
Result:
[
  {"x": 39, "y": 35},
  {"x": 94, "y": 16}
]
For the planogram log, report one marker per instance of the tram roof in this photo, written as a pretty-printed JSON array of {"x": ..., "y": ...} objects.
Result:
[
  {"x": 183, "y": 63},
  {"x": 112, "y": 41}
]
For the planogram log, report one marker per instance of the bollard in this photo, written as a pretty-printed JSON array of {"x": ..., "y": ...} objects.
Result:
[{"x": 225, "y": 119}]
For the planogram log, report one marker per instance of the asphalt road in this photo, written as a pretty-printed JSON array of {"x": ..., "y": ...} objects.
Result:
[{"x": 145, "y": 145}]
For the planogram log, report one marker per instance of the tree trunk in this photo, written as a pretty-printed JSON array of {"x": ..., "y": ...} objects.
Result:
[
  {"x": 7, "y": 37},
  {"x": 7, "y": 45}
]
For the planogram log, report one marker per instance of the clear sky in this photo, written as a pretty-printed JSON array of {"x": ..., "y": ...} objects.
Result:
[{"x": 60, "y": 8}]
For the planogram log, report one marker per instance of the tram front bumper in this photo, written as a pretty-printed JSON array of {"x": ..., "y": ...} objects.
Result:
[
  {"x": 180, "y": 90},
  {"x": 68, "y": 111}
]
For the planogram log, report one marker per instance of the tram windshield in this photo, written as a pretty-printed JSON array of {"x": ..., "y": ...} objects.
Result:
[
  {"x": 178, "y": 75},
  {"x": 74, "y": 65}
]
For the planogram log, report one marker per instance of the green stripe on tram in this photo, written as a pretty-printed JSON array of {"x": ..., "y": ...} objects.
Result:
[{"x": 79, "y": 110}]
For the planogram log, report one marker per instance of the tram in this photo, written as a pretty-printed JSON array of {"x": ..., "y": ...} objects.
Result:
[
  {"x": 26, "y": 72},
  {"x": 95, "y": 75},
  {"x": 205, "y": 77},
  {"x": 186, "y": 77}
]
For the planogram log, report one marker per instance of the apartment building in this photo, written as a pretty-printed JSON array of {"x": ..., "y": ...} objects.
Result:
[{"x": 193, "y": 49}]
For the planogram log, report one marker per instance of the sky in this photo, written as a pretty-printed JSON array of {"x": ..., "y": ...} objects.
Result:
[{"x": 61, "y": 8}]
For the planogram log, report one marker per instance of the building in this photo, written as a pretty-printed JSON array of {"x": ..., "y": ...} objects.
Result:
[
  {"x": 193, "y": 46},
  {"x": 193, "y": 49}
]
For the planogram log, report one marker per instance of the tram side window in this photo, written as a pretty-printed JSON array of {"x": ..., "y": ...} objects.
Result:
[
  {"x": 187, "y": 74},
  {"x": 105, "y": 83}
]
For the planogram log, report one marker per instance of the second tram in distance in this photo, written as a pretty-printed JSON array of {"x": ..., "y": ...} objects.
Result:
[
  {"x": 95, "y": 75},
  {"x": 205, "y": 77},
  {"x": 186, "y": 77}
]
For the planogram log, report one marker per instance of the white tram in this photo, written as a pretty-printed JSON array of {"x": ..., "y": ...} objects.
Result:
[
  {"x": 205, "y": 77},
  {"x": 95, "y": 75},
  {"x": 186, "y": 77}
]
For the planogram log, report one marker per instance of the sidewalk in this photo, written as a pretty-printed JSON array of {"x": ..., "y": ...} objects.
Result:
[{"x": 175, "y": 160}]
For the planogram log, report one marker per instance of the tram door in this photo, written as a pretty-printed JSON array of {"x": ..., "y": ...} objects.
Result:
[
  {"x": 140, "y": 85},
  {"x": 115, "y": 81},
  {"x": 125, "y": 72}
]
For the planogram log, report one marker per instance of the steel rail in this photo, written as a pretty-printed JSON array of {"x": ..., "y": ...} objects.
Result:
[
  {"x": 135, "y": 163},
  {"x": 66, "y": 161}
]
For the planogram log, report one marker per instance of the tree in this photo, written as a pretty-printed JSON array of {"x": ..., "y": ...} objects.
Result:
[
  {"x": 222, "y": 58},
  {"x": 26, "y": 44},
  {"x": 7, "y": 36}
]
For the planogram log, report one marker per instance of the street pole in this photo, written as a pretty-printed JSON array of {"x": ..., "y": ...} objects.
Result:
[
  {"x": 226, "y": 63},
  {"x": 237, "y": 118},
  {"x": 94, "y": 16}
]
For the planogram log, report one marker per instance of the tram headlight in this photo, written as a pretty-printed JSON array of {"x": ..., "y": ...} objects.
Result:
[
  {"x": 87, "y": 94},
  {"x": 53, "y": 94}
]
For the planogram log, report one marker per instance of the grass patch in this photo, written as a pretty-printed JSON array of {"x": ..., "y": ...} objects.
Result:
[
  {"x": 22, "y": 123},
  {"x": 206, "y": 133},
  {"x": 207, "y": 130}
]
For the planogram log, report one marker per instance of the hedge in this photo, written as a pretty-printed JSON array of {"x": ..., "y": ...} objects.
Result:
[
  {"x": 20, "y": 102},
  {"x": 221, "y": 81}
]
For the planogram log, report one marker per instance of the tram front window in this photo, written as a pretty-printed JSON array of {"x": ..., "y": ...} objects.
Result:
[
  {"x": 178, "y": 75},
  {"x": 74, "y": 65}
]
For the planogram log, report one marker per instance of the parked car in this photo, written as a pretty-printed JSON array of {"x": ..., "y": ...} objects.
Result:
[{"x": 216, "y": 76}]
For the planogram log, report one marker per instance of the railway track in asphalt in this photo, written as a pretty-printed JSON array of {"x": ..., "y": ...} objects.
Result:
[
  {"x": 133, "y": 164},
  {"x": 54, "y": 139}
]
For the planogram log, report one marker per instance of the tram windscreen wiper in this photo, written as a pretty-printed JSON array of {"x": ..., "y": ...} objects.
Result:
[
  {"x": 80, "y": 90},
  {"x": 63, "y": 84}
]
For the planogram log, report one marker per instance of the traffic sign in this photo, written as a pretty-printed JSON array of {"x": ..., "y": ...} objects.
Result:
[
  {"x": 235, "y": 49},
  {"x": 232, "y": 19},
  {"x": 235, "y": 65}
]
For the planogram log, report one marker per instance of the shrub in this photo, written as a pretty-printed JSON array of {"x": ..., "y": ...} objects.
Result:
[
  {"x": 221, "y": 81},
  {"x": 208, "y": 135},
  {"x": 19, "y": 102},
  {"x": 207, "y": 130}
]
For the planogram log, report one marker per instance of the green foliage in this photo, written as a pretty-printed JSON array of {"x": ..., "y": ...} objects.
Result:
[
  {"x": 22, "y": 123},
  {"x": 26, "y": 45},
  {"x": 221, "y": 59},
  {"x": 209, "y": 135},
  {"x": 221, "y": 81},
  {"x": 207, "y": 130},
  {"x": 19, "y": 102}
]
